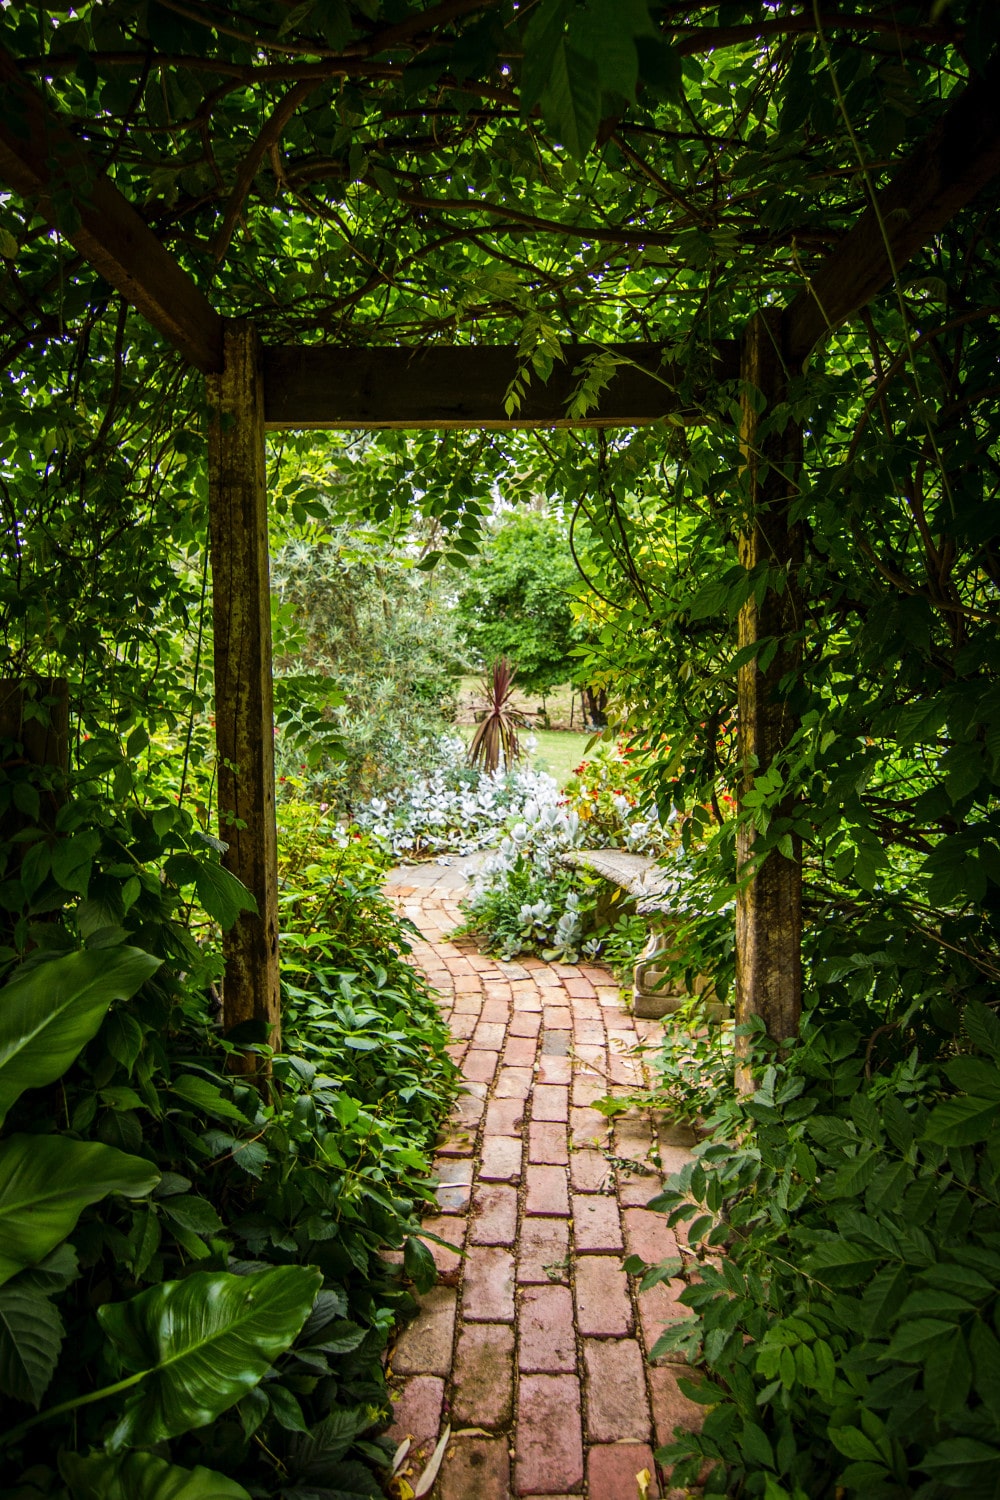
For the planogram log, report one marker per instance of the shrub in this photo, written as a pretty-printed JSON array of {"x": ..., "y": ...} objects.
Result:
[
  {"x": 849, "y": 1331},
  {"x": 247, "y": 1223},
  {"x": 452, "y": 808}
]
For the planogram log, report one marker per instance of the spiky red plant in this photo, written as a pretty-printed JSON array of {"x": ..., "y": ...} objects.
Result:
[{"x": 496, "y": 733}]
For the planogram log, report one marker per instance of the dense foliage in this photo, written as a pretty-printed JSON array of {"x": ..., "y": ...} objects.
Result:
[
  {"x": 851, "y": 1329},
  {"x": 482, "y": 170},
  {"x": 140, "y": 1184},
  {"x": 364, "y": 663},
  {"x": 517, "y": 601}
]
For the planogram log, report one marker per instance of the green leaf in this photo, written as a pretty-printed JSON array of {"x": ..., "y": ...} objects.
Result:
[
  {"x": 963, "y": 1459},
  {"x": 571, "y": 100},
  {"x": 852, "y": 1178},
  {"x": 53, "y": 1274},
  {"x": 948, "y": 1374},
  {"x": 986, "y": 1359},
  {"x": 852, "y": 1443},
  {"x": 605, "y": 33},
  {"x": 49, "y": 1013},
  {"x": 883, "y": 1298},
  {"x": 755, "y": 1445},
  {"x": 202, "y": 1343},
  {"x": 962, "y": 1122},
  {"x": 45, "y": 1184},
  {"x": 340, "y": 1337},
  {"x": 207, "y": 1098},
  {"x": 418, "y": 1263},
  {"x": 192, "y": 1212},
  {"x": 325, "y": 1444},
  {"x": 287, "y": 1411},
  {"x": 142, "y": 1476},
  {"x": 122, "y": 1035},
  {"x": 915, "y": 1341},
  {"x": 982, "y": 1027},
  {"x": 221, "y": 894},
  {"x": 31, "y": 1335},
  {"x": 541, "y": 39},
  {"x": 839, "y": 1263},
  {"x": 974, "y": 1075}
]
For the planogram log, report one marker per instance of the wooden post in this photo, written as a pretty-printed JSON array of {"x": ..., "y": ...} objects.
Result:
[
  {"x": 769, "y": 902},
  {"x": 43, "y": 736},
  {"x": 244, "y": 714}
]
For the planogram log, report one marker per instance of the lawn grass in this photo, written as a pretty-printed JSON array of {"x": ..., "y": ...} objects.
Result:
[
  {"x": 558, "y": 752},
  {"x": 561, "y": 702}
]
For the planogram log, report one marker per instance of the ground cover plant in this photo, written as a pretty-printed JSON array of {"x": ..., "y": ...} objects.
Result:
[
  {"x": 189, "y": 1261},
  {"x": 525, "y": 899}
]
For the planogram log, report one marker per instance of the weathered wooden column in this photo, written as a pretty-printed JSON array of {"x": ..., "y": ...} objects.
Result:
[
  {"x": 43, "y": 735},
  {"x": 244, "y": 715},
  {"x": 769, "y": 901}
]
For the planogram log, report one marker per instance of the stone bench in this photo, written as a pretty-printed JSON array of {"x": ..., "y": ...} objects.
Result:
[{"x": 648, "y": 887}]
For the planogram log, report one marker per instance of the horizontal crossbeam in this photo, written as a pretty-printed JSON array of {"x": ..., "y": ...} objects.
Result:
[
  {"x": 467, "y": 387},
  {"x": 957, "y": 160},
  {"x": 47, "y": 166}
]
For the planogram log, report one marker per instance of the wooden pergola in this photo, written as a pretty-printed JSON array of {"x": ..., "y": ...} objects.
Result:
[{"x": 254, "y": 389}]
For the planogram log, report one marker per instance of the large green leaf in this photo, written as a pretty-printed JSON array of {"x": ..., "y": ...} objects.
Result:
[
  {"x": 142, "y": 1476},
  {"x": 31, "y": 1335},
  {"x": 202, "y": 1343},
  {"x": 49, "y": 1013},
  {"x": 46, "y": 1181},
  {"x": 963, "y": 1121}
]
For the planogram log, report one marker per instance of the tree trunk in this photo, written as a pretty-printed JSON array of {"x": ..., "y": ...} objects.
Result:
[{"x": 595, "y": 701}]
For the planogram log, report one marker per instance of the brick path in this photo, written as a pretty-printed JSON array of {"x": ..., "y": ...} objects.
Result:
[{"x": 533, "y": 1344}]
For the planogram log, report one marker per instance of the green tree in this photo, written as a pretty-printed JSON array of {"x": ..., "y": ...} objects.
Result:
[
  {"x": 365, "y": 641},
  {"x": 518, "y": 601}
]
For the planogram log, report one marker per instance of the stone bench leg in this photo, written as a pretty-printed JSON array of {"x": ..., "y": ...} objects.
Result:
[{"x": 651, "y": 996}]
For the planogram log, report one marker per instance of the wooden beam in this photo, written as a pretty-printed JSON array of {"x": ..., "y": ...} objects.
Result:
[
  {"x": 46, "y": 165},
  {"x": 769, "y": 903},
  {"x": 244, "y": 713},
  {"x": 959, "y": 157},
  {"x": 328, "y": 387}
]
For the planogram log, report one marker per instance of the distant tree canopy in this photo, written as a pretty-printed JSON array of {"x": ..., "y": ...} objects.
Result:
[
  {"x": 518, "y": 601},
  {"x": 365, "y": 643}
]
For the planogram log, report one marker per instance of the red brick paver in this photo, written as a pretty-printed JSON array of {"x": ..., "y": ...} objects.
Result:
[{"x": 534, "y": 1345}]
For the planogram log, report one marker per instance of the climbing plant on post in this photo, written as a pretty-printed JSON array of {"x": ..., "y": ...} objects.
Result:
[
  {"x": 769, "y": 900},
  {"x": 244, "y": 712}
]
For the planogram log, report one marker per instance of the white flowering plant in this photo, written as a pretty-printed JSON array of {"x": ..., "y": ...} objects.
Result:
[
  {"x": 452, "y": 807},
  {"x": 525, "y": 899}
]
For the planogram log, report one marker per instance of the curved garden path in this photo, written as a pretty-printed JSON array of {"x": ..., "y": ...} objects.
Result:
[{"x": 533, "y": 1344}]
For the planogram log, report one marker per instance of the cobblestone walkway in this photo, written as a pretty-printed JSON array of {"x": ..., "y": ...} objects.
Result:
[{"x": 533, "y": 1344}]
